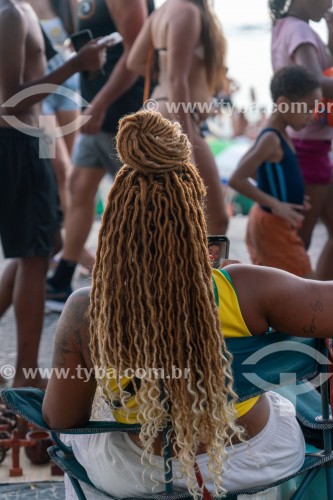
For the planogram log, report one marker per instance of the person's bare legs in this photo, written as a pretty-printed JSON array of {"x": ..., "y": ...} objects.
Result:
[
  {"x": 65, "y": 117},
  {"x": 318, "y": 194},
  {"x": 62, "y": 166},
  {"x": 7, "y": 283},
  {"x": 83, "y": 187},
  {"x": 217, "y": 219},
  {"x": 321, "y": 200},
  {"x": 28, "y": 300},
  {"x": 8, "y": 277},
  {"x": 324, "y": 269}
]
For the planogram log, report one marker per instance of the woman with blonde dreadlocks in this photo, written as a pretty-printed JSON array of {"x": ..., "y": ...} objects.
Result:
[
  {"x": 149, "y": 334},
  {"x": 189, "y": 57}
]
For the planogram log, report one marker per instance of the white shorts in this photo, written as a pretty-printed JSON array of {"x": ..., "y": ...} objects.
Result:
[{"x": 113, "y": 461}]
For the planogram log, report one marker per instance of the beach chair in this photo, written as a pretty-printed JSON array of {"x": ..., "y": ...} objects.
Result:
[{"x": 272, "y": 361}]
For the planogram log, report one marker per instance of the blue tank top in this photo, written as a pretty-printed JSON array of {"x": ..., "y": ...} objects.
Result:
[
  {"x": 94, "y": 15},
  {"x": 283, "y": 180}
]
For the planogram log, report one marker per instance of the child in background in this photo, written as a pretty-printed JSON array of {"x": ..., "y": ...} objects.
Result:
[
  {"x": 295, "y": 42},
  {"x": 272, "y": 238}
]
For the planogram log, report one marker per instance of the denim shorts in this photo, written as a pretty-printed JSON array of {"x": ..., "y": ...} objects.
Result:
[
  {"x": 57, "y": 101},
  {"x": 97, "y": 151}
]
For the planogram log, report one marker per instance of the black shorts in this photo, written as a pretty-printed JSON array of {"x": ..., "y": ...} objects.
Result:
[{"x": 30, "y": 213}]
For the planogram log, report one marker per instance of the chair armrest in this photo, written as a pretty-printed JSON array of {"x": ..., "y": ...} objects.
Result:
[{"x": 28, "y": 401}]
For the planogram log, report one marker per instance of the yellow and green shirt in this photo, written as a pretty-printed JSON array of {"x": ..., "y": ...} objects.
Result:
[
  {"x": 231, "y": 320},
  {"x": 232, "y": 325}
]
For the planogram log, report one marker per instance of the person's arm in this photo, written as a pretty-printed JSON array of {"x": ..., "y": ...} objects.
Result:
[
  {"x": 129, "y": 18},
  {"x": 329, "y": 21},
  {"x": 71, "y": 388},
  {"x": 13, "y": 34},
  {"x": 273, "y": 298},
  {"x": 268, "y": 148},
  {"x": 138, "y": 55},
  {"x": 183, "y": 37},
  {"x": 306, "y": 55}
]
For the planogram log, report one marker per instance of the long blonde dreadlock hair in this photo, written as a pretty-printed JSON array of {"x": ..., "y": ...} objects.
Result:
[{"x": 152, "y": 301}]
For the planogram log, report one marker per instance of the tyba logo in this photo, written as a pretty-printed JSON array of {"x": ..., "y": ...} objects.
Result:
[
  {"x": 288, "y": 378},
  {"x": 48, "y": 129}
]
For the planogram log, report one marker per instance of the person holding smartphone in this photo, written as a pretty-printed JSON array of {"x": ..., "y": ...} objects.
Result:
[
  {"x": 272, "y": 237},
  {"x": 29, "y": 207}
]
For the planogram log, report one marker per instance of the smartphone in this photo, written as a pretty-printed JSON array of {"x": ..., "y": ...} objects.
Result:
[
  {"x": 79, "y": 40},
  {"x": 111, "y": 40},
  {"x": 218, "y": 247}
]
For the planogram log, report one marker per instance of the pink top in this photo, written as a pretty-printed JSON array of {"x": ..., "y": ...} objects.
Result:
[{"x": 287, "y": 35}]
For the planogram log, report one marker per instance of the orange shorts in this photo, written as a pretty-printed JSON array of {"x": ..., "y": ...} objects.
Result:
[{"x": 273, "y": 242}]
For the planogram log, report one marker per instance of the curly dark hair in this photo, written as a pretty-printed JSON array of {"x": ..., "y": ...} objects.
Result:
[
  {"x": 293, "y": 82},
  {"x": 278, "y": 8}
]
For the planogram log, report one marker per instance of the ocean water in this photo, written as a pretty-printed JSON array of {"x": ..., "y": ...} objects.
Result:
[{"x": 247, "y": 27}]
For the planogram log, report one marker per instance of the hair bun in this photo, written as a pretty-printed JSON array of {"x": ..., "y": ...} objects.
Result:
[{"x": 152, "y": 144}]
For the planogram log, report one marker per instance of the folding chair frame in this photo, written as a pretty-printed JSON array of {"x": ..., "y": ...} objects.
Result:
[{"x": 27, "y": 402}]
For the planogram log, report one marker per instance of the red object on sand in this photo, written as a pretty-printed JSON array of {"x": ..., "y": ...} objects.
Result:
[{"x": 15, "y": 442}]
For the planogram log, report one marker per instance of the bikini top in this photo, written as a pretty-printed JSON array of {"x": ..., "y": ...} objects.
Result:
[{"x": 198, "y": 51}]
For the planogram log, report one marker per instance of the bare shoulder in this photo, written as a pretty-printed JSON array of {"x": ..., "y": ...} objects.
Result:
[
  {"x": 243, "y": 273},
  {"x": 269, "y": 139},
  {"x": 13, "y": 27},
  {"x": 176, "y": 12},
  {"x": 77, "y": 306},
  {"x": 184, "y": 24},
  {"x": 269, "y": 145},
  {"x": 188, "y": 11},
  {"x": 74, "y": 320},
  {"x": 268, "y": 285},
  {"x": 12, "y": 13},
  {"x": 72, "y": 335}
]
